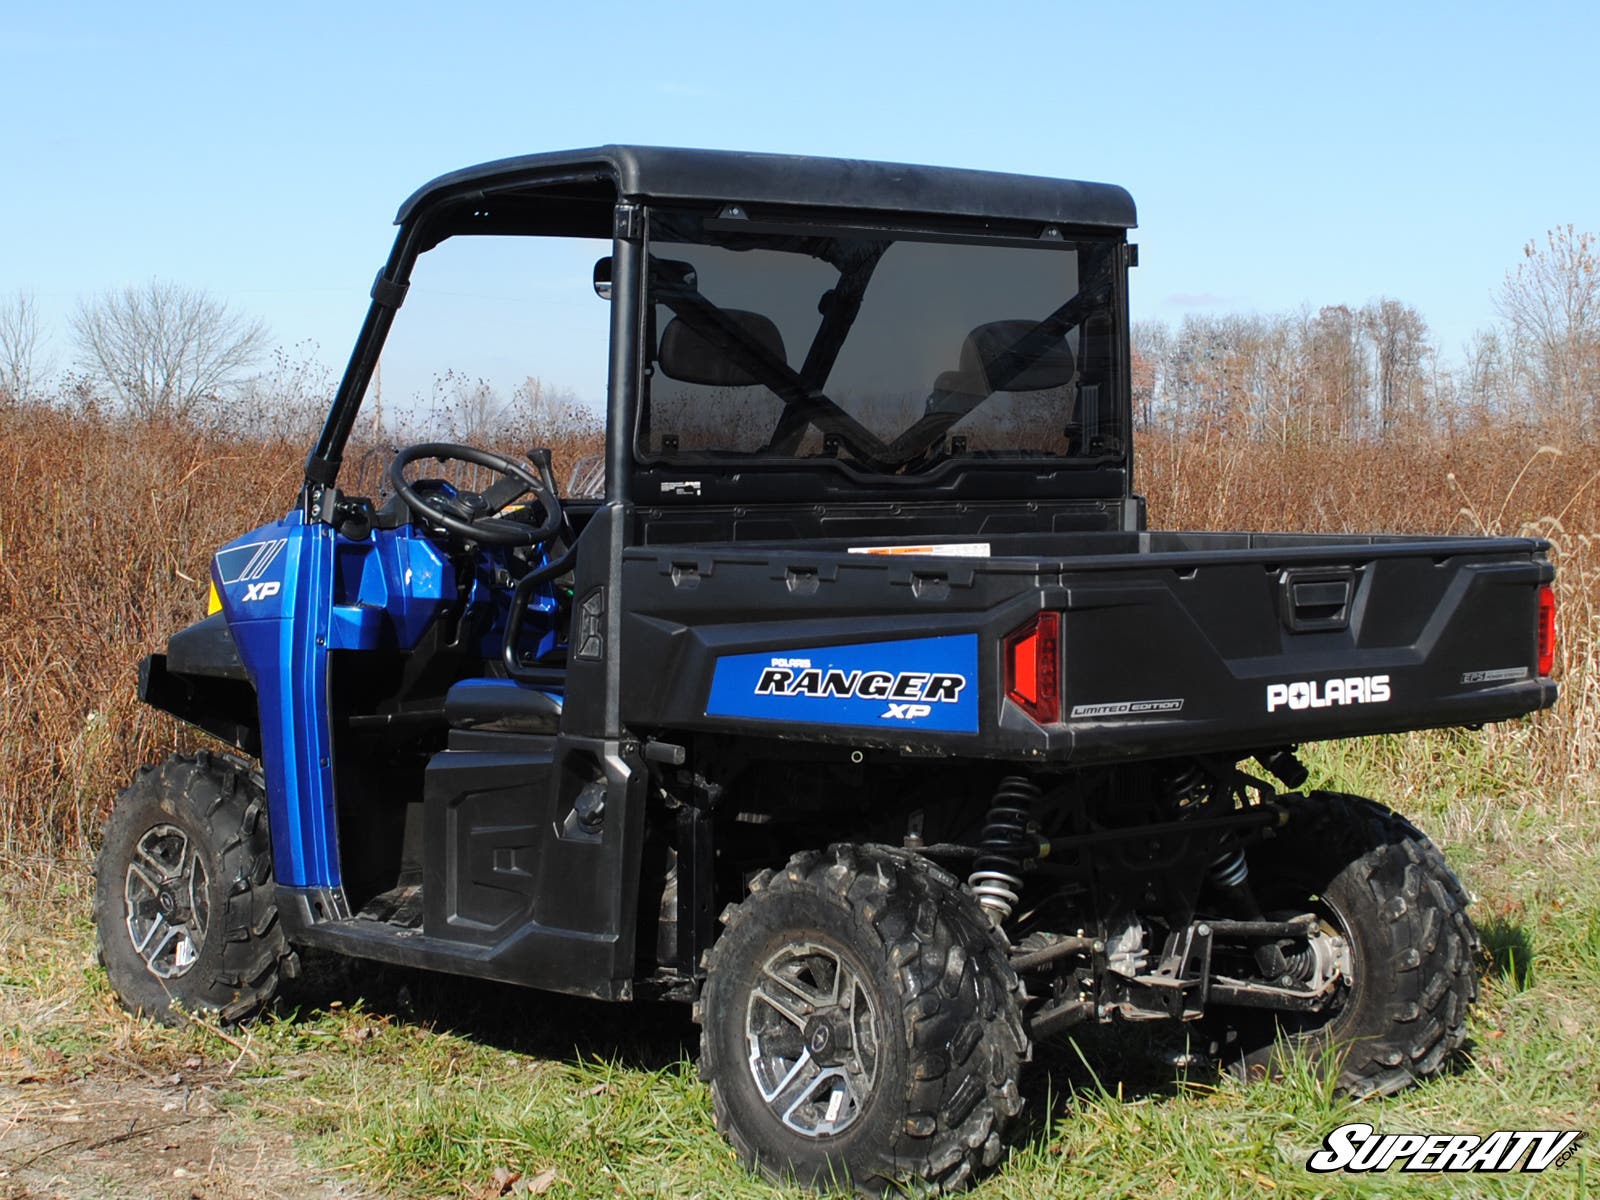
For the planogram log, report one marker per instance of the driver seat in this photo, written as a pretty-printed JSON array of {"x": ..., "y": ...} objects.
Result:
[{"x": 501, "y": 706}]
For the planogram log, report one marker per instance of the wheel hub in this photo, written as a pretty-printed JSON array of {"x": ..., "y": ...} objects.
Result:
[
  {"x": 812, "y": 1028},
  {"x": 166, "y": 901},
  {"x": 828, "y": 1037},
  {"x": 1330, "y": 959},
  {"x": 174, "y": 906}
]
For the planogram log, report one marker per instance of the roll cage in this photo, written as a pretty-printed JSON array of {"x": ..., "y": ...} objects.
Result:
[{"x": 608, "y": 192}]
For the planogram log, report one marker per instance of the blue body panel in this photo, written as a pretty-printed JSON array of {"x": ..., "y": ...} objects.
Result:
[
  {"x": 291, "y": 593},
  {"x": 276, "y": 586},
  {"x": 918, "y": 683}
]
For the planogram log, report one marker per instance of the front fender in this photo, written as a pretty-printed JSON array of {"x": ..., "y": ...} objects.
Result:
[{"x": 222, "y": 704}]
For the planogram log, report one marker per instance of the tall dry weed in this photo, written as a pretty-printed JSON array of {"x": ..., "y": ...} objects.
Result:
[
  {"x": 106, "y": 530},
  {"x": 107, "y": 526}
]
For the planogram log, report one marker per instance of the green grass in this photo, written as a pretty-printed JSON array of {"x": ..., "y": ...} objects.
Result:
[{"x": 423, "y": 1086}]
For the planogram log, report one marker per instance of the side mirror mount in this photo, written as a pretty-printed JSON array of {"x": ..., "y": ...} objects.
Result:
[{"x": 602, "y": 278}]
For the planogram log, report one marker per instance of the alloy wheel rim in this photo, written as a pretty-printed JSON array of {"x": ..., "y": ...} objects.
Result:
[
  {"x": 168, "y": 906},
  {"x": 813, "y": 1031}
]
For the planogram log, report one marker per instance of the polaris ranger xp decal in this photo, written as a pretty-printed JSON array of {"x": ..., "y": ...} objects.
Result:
[{"x": 923, "y": 683}]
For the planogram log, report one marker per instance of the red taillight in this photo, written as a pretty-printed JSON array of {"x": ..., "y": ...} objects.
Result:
[
  {"x": 1033, "y": 667},
  {"x": 1547, "y": 629}
]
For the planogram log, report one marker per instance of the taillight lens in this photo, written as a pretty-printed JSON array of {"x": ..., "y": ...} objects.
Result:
[
  {"x": 1547, "y": 629},
  {"x": 1033, "y": 667}
]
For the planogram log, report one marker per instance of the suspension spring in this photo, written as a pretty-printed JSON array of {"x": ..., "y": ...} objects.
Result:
[
  {"x": 1230, "y": 875},
  {"x": 1186, "y": 788},
  {"x": 1301, "y": 963},
  {"x": 1229, "y": 870},
  {"x": 1005, "y": 843}
]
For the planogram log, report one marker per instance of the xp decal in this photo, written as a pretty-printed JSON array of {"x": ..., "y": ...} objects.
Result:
[
  {"x": 1326, "y": 693},
  {"x": 924, "y": 683}
]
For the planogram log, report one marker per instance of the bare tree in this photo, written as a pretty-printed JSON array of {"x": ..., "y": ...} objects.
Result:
[
  {"x": 1152, "y": 347},
  {"x": 288, "y": 399},
  {"x": 1399, "y": 338},
  {"x": 1551, "y": 305},
  {"x": 541, "y": 414},
  {"x": 1280, "y": 412},
  {"x": 1338, "y": 373},
  {"x": 19, "y": 347},
  {"x": 163, "y": 348}
]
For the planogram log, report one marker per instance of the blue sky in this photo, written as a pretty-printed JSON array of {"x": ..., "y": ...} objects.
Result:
[{"x": 1281, "y": 154}]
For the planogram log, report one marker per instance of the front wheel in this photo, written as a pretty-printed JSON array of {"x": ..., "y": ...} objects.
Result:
[
  {"x": 860, "y": 1023},
  {"x": 1403, "y": 949},
  {"x": 184, "y": 909}
]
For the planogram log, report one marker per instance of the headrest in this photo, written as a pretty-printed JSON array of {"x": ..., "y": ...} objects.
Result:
[
  {"x": 688, "y": 356},
  {"x": 987, "y": 343}
]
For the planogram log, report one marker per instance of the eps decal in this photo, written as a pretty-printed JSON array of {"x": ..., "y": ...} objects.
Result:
[{"x": 918, "y": 683}]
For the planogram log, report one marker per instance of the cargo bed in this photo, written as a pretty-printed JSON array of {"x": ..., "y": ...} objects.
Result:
[{"x": 1169, "y": 643}]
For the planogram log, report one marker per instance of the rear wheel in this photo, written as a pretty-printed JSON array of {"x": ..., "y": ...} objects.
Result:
[
  {"x": 860, "y": 1024},
  {"x": 184, "y": 907},
  {"x": 1393, "y": 931}
]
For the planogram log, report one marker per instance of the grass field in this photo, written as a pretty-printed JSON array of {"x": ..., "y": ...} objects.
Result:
[
  {"x": 371, "y": 1082},
  {"x": 404, "y": 1084}
]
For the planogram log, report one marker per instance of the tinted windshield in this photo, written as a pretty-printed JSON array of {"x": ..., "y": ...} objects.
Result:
[{"x": 887, "y": 351}]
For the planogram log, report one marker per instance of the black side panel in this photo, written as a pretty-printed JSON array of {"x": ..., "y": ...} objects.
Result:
[
  {"x": 593, "y": 662},
  {"x": 531, "y": 871},
  {"x": 481, "y": 813},
  {"x": 691, "y": 606}
]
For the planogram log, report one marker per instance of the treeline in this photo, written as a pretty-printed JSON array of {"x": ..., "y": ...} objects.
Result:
[
  {"x": 158, "y": 351},
  {"x": 162, "y": 353},
  {"x": 1377, "y": 372}
]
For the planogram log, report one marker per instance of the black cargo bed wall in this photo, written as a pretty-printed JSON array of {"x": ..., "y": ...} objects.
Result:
[{"x": 931, "y": 521}]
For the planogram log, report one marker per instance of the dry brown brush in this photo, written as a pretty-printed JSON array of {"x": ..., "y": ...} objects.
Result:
[{"x": 107, "y": 525}]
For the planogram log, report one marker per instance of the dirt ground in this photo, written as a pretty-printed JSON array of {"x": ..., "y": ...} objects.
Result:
[{"x": 142, "y": 1137}]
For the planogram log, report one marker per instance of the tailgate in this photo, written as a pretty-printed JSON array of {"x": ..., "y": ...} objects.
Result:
[{"x": 1274, "y": 645}]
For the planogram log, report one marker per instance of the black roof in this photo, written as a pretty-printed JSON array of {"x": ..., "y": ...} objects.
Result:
[{"x": 663, "y": 173}]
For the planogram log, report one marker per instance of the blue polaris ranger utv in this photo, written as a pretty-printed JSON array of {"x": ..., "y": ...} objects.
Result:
[{"x": 854, "y": 704}]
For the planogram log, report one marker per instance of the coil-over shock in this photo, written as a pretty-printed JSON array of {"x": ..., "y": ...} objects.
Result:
[
  {"x": 1004, "y": 845},
  {"x": 1229, "y": 872}
]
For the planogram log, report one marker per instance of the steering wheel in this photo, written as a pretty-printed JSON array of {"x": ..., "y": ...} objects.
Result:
[{"x": 476, "y": 515}]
